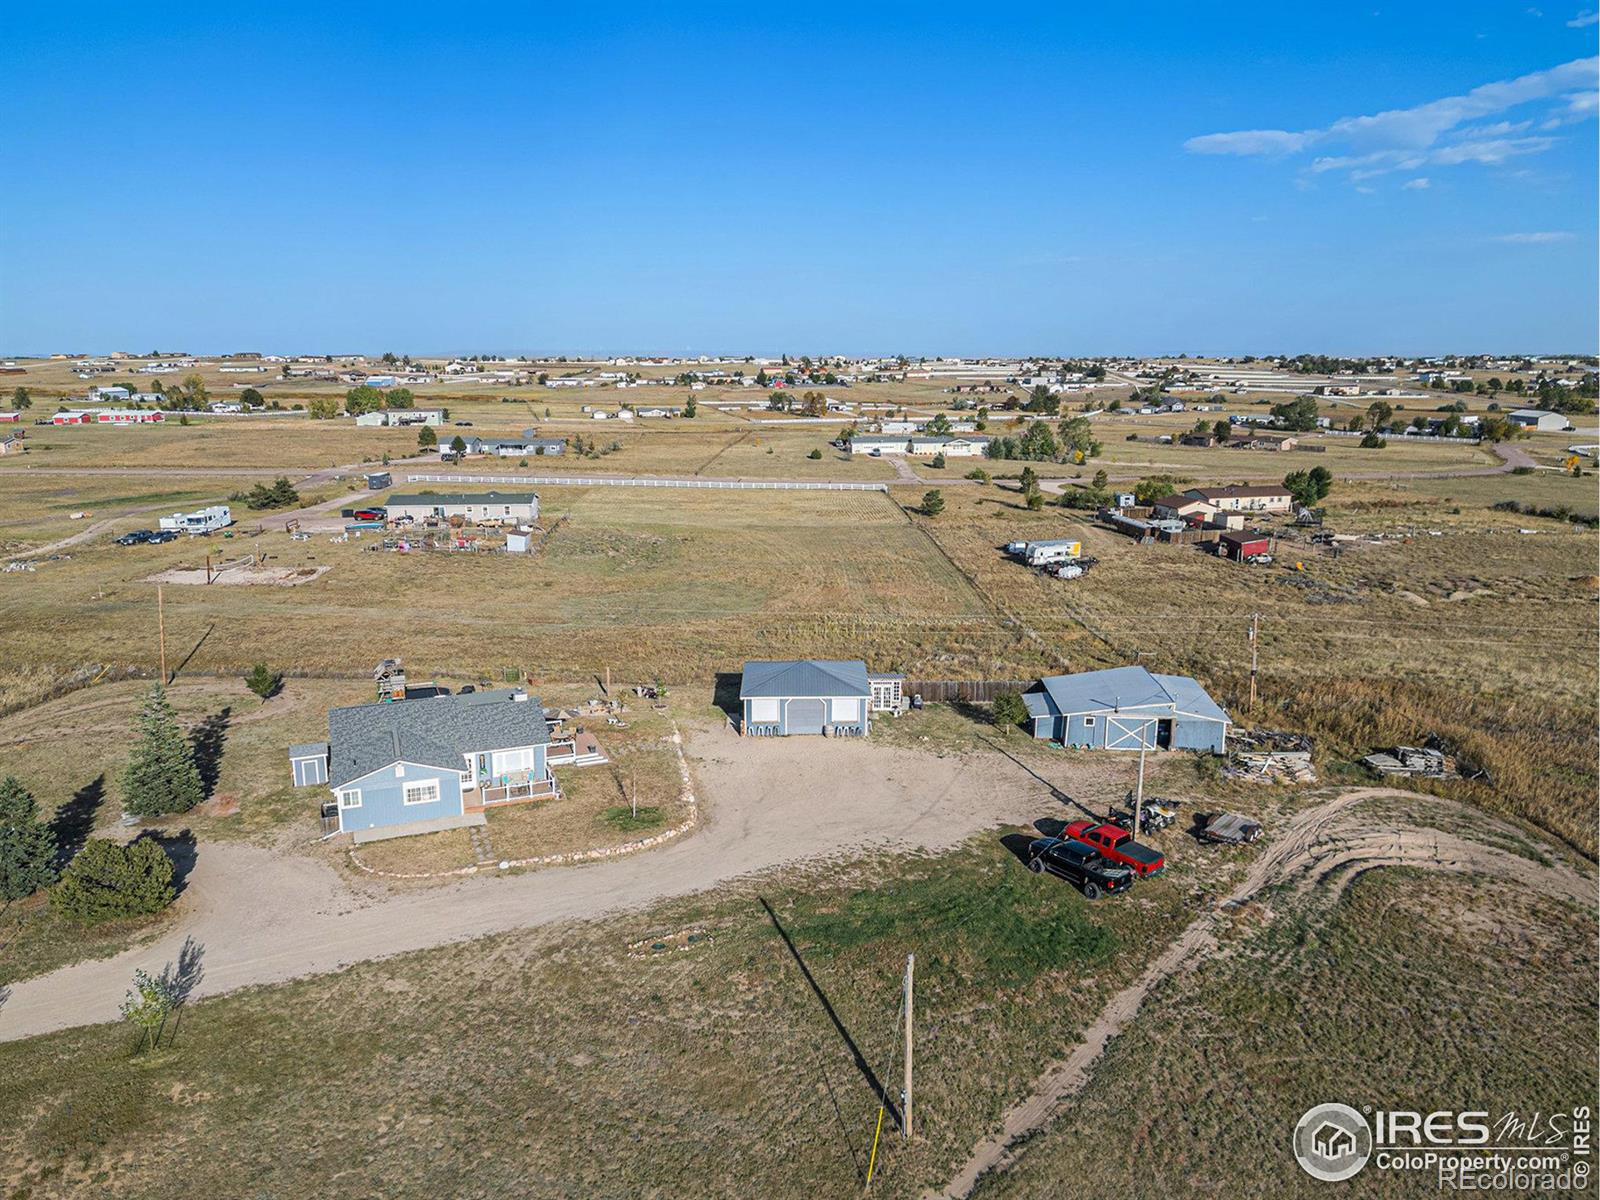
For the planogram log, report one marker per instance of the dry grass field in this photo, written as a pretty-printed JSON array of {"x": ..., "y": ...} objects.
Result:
[{"x": 1407, "y": 988}]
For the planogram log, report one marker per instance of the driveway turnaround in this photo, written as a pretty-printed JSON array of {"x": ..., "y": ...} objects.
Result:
[{"x": 264, "y": 917}]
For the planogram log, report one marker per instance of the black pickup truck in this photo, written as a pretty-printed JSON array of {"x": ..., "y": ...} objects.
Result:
[{"x": 1078, "y": 864}]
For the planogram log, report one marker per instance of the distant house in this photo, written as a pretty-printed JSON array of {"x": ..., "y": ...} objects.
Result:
[
  {"x": 479, "y": 508},
  {"x": 1126, "y": 708},
  {"x": 1198, "y": 439},
  {"x": 1270, "y": 498},
  {"x": 1181, "y": 507},
  {"x": 517, "y": 447},
  {"x": 1256, "y": 440},
  {"x": 806, "y": 696},
  {"x": 877, "y": 446},
  {"x": 13, "y": 443},
  {"x": 1540, "y": 420},
  {"x": 108, "y": 416},
  {"x": 416, "y": 766},
  {"x": 402, "y": 417}
]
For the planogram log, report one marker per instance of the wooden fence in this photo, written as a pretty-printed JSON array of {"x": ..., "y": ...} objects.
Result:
[{"x": 981, "y": 691}]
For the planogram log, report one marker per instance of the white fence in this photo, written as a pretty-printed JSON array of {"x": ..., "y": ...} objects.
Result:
[
  {"x": 1405, "y": 437},
  {"x": 750, "y": 485}
]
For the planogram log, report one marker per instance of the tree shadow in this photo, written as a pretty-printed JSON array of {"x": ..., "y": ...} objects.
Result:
[
  {"x": 208, "y": 739},
  {"x": 182, "y": 849},
  {"x": 73, "y": 822},
  {"x": 879, "y": 1093},
  {"x": 180, "y": 978},
  {"x": 1050, "y": 826}
]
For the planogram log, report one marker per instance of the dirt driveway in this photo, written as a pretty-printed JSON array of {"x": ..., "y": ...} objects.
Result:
[{"x": 262, "y": 917}]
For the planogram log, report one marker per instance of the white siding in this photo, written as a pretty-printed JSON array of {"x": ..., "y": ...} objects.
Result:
[
  {"x": 845, "y": 709},
  {"x": 764, "y": 710}
]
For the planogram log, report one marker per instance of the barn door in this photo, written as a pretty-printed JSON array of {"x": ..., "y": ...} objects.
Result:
[{"x": 1130, "y": 733}]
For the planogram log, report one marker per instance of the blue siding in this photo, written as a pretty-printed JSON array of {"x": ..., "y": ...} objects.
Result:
[
  {"x": 861, "y": 727},
  {"x": 1198, "y": 733},
  {"x": 309, "y": 770},
  {"x": 383, "y": 798}
]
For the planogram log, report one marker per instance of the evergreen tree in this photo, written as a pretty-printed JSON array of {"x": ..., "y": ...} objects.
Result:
[
  {"x": 932, "y": 503},
  {"x": 27, "y": 845},
  {"x": 161, "y": 776},
  {"x": 426, "y": 437},
  {"x": 106, "y": 881}
]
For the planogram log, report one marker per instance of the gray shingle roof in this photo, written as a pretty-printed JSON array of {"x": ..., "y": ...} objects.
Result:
[
  {"x": 308, "y": 750},
  {"x": 805, "y": 677},
  {"x": 436, "y": 732}
]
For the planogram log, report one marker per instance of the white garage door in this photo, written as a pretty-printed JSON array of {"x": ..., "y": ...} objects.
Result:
[
  {"x": 847, "y": 711},
  {"x": 764, "y": 711},
  {"x": 806, "y": 716}
]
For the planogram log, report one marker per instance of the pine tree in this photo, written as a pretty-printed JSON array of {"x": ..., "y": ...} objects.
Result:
[
  {"x": 27, "y": 844},
  {"x": 161, "y": 776},
  {"x": 106, "y": 882}
]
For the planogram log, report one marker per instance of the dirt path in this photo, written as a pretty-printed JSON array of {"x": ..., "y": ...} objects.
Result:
[
  {"x": 1312, "y": 849},
  {"x": 263, "y": 917}
]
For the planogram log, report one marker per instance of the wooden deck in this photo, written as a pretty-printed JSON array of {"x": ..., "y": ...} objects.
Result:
[{"x": 512, "y": 791}]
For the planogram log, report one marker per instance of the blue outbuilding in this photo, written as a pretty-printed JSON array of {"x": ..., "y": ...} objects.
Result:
[{"x": 1126, "y": 708}]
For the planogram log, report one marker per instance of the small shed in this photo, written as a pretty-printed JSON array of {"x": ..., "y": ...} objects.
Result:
[
  {"x": 1240, "y": 546},
  {"x": 308, "y": 762},
  {"x": 782, "y": 698},
  {"x": 518, "y": 543}
]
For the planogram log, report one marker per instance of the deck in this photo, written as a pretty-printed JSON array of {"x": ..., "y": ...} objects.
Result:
[{"x": 513, "y": 790}]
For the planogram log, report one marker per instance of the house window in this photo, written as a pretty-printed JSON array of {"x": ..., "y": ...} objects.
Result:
[
  {"x": 1088, "y": 722},
  {"x": 425, "y": 792},
  {"x": 350, "y": 798}
]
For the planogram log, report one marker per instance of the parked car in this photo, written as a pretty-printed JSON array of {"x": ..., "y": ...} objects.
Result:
[
  {"x": 464, "y": 424},
  {"x": 1117, "y": 845},
  {"x": 1078, "y": 864},
  {"x": 136, "y": 537},
  {"x": 370, "y": 514},
  {"x": 161, "y": 536}
]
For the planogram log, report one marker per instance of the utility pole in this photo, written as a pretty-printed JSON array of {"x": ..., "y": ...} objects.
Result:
[
  {"x": 633, "y": 792},
  {"x": 161, "y": 633},
  {"x": 911, "y": 967},
  {"x": 1255, "y": 620},
  {"x": 1138, "y": 796}
]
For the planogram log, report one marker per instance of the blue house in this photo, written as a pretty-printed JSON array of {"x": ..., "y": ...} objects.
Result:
[
  {"x": 418, "y": 766},
  {"x": 1126, "y": 708},
  {"x": 806, "y": 696}
]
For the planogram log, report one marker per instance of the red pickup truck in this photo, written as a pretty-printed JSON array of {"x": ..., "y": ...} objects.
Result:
[{"x": 1117, "y": 845}]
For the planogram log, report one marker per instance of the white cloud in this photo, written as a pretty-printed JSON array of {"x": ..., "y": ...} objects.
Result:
[
  {"x": 1435, "y": 133},
  {"x": 1417, "y": 185},
  {"x": 1543, "y": 238},
  {"x": 1584, "y": 18}
]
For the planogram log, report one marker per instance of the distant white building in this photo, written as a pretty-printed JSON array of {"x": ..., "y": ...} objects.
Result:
[{"x": 1539, "y": 419}]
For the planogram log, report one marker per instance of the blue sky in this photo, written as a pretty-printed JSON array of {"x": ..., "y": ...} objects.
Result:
[{"x": 815, "y": 178}]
